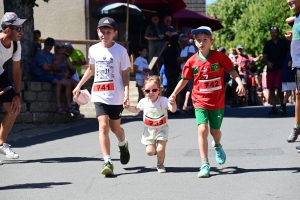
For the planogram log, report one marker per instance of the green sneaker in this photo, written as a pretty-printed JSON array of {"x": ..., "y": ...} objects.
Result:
[
  {"x": 124, "y": 153},
  {"x": 108, "y": 169},
  {"x": 204, "y": 171}
]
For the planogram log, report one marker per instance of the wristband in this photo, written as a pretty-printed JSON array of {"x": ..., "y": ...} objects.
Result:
[{"x": 18, "y": 94}]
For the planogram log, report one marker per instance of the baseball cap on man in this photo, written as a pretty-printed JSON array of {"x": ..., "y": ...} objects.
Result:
[
  {"x": 106, "y": 21},
  {"x": 203, "y": 29},
  {"x": 222, "y": 49},
  {"x": 68, "y": 45},
  {"x": 11, "y": 19},
  {"x": 239, "y": 46}
]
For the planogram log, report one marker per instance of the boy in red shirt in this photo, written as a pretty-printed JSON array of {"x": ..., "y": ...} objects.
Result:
[{"x": 207, "y": 67}]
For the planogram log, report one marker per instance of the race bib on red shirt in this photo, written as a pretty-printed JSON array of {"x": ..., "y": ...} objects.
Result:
[{"x": 210, "y": 85}]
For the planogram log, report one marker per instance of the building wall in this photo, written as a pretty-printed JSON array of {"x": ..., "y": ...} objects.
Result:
[
  {"x": 60, "y": 19},
  {"x": 196, "y": 5}
]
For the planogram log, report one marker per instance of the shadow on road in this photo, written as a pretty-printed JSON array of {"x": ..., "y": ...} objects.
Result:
[
  {"x": 237, "y": 170},
  {"x": 33, "y": 185},
  {"x": 214, "y": 171},
  {"x": 56, "y": 160}
]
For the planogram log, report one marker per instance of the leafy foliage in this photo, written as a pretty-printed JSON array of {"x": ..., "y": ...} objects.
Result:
[{"x": 247, "y": 22}]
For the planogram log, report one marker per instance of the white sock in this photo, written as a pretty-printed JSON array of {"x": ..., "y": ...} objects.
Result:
[
  {"x": 121, "y": 143},
  {"x": 107, "y": 159}
]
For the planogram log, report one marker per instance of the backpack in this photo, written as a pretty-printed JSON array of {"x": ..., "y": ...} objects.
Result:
[{"x": 15, "y": 48}]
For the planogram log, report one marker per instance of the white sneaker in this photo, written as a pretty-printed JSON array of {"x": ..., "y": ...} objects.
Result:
[
  {"x": 6, "y": 150},
  {"x": 161, "y": 169}
]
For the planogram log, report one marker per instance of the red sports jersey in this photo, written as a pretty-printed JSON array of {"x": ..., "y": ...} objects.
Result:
[{"x": 208, "y": 91}]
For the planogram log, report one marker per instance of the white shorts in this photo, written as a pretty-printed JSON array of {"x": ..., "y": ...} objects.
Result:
[
  {"x": 151, "y": 135},
  {"x": 288, "y": 86}
]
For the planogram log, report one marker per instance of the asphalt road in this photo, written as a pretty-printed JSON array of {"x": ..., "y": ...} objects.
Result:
[{"x": 66, "y": 164}]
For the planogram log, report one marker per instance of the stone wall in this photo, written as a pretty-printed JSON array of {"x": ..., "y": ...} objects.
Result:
[{"x": 38, "y": 104}]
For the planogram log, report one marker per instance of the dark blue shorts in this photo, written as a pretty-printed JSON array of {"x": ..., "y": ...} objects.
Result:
[{"x": 50, "y": 78}]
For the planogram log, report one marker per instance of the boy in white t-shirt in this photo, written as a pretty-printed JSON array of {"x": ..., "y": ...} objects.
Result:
[
  {"x": 109, "y": 63},
  {"x": 141, "y": 69}
]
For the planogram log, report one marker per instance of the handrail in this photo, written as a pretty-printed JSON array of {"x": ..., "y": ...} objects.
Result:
[{"x": 87, "y": 42}]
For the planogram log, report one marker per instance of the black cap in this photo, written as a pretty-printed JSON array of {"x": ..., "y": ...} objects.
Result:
[{"x": 106, "y": 21}]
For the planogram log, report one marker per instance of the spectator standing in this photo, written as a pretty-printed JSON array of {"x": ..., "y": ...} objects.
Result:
[
  {"x": 241, "y": 61},
  {"x": 187, "y": 50},
  {"x": 154, "y": 34},
  {"x": 294, "y": 36},
  {"x": 10, "y": 99},
  {"x": 141, "y": 70},
  {"x": 164, "y": 80},
  {"x": 172, "y": 68},
  {"x": 76, "y": 57},
  {"x": 274, "y": 55},
  {"x": 109, "y": 63},
  {"x": 45, "y": 64},
  {"x": 168, "y": 30}
]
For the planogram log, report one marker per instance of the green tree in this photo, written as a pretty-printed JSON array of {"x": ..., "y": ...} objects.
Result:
[
  {"x": 229, "y": 12},
  {"x": 247, "y": 22}
]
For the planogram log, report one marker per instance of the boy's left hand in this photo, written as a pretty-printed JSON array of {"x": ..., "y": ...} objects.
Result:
[{"x": 240, "y": 90}]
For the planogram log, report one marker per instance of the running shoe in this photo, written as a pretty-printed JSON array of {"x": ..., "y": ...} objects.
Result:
[
  {"x": 220, "y": 154},
  {"x": 7, "y": 151},
  {"x": 282, "y": 110},
  {"x": 161, "y": 169},
  {"x": 108, "y": 169},
  {"x": 294, "y": 135},
  {"x": 204, "y": 171},
  {"x": 298, "y": 148},
  {"x": 124, "y": 153}
]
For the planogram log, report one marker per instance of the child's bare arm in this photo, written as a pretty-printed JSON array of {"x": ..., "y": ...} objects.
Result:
[{"x": 133, "y": 109}]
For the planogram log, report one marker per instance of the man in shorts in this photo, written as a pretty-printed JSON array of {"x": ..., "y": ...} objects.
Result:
[
  {"x": 10, "y": 47},
  {"x": 274, "y": 54}
]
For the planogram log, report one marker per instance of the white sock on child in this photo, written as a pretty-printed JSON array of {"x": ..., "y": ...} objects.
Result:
[
  {"x": 121, "y": 143},
  {"x": 107, "y": 159}
]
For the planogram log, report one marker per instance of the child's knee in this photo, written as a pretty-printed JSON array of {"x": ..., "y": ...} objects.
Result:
[{"x": 150, "y": 150}]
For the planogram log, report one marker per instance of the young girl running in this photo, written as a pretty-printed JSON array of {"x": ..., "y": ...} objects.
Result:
[{"x": 155, "y": 117}]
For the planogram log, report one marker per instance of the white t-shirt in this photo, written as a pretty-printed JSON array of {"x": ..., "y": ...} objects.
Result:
[
  {"x": 109, "y": 63},
  {"x": 232, "y": 57},
  {"x": 6, "y": 54},
  {"x": 142, "y": 64},
  {"x": 155, "y": 110},
  {"x": 184, "y": 52}
]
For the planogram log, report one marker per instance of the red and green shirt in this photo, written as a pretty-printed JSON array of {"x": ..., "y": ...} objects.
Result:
[{"x": 208, "y": 91}]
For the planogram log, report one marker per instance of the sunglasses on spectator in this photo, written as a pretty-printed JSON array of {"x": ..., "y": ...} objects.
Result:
[
  {"x": 19, "y": 29},
  {"x": 151, "y": 90},
  {"x": 274, "y": 28},
  {"x": 60, "y": 47}
]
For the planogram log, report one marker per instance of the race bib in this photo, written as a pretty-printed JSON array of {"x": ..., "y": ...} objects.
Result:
[
  {"x": 155, "y": 122},
  {"x": 210, "y": 85},
  {"x": 104, "y": 87}
]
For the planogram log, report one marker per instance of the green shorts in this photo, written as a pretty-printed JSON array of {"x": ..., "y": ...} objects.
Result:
[{"x": 214, "y": 117}]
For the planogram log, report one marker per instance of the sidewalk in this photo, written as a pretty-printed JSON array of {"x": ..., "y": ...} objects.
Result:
[{"x": 23, "y": 131}]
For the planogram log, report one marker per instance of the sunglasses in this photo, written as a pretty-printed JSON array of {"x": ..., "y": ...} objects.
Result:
[
  {"x": 274, "y": 28},
  {"x": 19, "y": 29},
  {"x": 60, "y": 47},
  {"x": 151, "y": 90}
]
